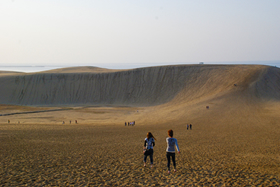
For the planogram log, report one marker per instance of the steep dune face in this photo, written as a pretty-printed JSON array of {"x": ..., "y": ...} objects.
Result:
[
  {"x": 267, "y": 86},
  {"x": 137, "y": 87}
]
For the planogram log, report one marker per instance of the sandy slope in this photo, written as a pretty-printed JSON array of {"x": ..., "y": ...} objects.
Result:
[
  {"x": 137, "y": 87},
  {"x": 81, "y": 69},
  {"x": 234, "y": 143}
]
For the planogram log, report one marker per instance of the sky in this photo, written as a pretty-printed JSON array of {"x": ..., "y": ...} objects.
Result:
[{"x": 110, "y": 33}]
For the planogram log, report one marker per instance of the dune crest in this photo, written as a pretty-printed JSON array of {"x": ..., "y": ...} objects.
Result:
[
  {"x": 137, "y": 87},
  {"x": 81, "y": 69}
]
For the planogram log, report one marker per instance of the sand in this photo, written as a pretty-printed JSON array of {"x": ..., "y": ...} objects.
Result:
[
  {"x": 100, "y": 156},
  {"x": 233, "y": 143},
  {"x": 137, "y": 87},
  {"x": 99, "y": 152}
]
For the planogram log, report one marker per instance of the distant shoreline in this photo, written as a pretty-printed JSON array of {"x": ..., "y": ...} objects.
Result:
[{"x": 25, "y": 66}]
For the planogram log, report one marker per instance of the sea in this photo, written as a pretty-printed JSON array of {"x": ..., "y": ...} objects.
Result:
[
  {"x": 28, "y": 69},
  {"x": 32, "y": 69}
]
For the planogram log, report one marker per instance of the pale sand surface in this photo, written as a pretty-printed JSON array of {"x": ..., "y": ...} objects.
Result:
[
  {"x": 231, "y": 149},
  {"x": 82, "y": 69}
]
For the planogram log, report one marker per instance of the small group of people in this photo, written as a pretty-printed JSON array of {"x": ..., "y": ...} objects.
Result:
[
  {"x": 10, "y": 121},
  {"x": 132, "y": 123},
  {"x": 189, "y": 126},
  {"x": 76, "y": 121},
  {"x": 149, "y": 144}
]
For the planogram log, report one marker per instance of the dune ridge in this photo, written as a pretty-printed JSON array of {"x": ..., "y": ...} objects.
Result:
[{"x": 137, "y": 87}]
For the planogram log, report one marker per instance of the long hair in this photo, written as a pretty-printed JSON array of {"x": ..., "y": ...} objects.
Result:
[
  {"x": 170, "y": 133},
  {"x": 150, "y": 135}
]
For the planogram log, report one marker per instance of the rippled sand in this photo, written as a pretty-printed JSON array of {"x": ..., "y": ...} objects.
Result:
[{"x": 111, "y": 155}]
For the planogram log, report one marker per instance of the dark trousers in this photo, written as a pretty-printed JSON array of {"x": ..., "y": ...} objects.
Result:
[
  {"x": 172, "y": 155},
  {"x": 150, "y": 153}
]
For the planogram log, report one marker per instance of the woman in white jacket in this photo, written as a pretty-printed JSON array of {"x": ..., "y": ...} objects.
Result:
[{"x": 170, "y": 150}]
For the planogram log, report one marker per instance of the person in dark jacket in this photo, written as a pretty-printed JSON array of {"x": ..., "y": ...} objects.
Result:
[{"x": 149, "y": 144}]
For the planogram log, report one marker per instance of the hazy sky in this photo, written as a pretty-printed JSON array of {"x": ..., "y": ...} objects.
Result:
[{"x": 89, "y": 32}]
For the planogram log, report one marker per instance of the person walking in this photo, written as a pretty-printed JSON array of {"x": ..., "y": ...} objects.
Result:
[
  {"x": 170, "y": 150},
  {"x": 149, "y": 148}
]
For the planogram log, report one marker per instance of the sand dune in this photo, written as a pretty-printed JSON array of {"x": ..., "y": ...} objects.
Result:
[
  {"x": 136, "y": 87},
  {"x": 81, "y": 69},
  {"x": 233, "y": 143}
]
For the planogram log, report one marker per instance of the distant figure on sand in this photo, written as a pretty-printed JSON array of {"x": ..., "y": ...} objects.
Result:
[
  {"x": 8, "y": 121},
  {"x": 76, "y": 121},
  {"x": 131, "y": 123},
  {"x": 187, "y": 126},
  {"x": 170, "y": 150},
  {"x": 149, "y": 148},
  {"x": 124, "y": 123},
  {"x": 190, "y": 126}
]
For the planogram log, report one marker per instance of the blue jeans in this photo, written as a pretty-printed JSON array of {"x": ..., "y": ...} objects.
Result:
[
  {"x": 150, "y": 153},
  {"x": 172, "y": 155}
]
